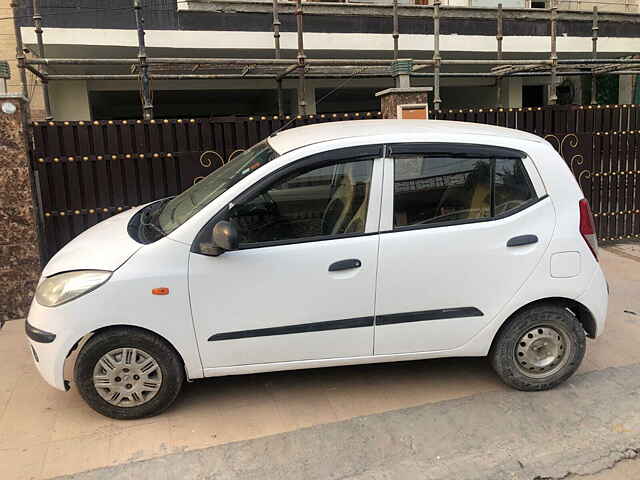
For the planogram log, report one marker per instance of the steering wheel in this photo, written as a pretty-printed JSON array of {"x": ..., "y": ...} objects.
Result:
[{"x": 267, "y": 206}]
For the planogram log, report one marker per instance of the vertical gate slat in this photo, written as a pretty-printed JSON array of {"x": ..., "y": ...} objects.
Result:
[
  {"x": 618, "y": 193},
  {"x": 580, "y": 120},
  {"x": 155, "y": 159},
  {"x": 609, "y": 165},
  {"x": 103, "y": 190},
  {"x": 241, "y": 133},
  {"x": 634, "y": 117},
  {"x": 62, "y": 227},
  {"x": 129, "y": 163},
  {"x": 604, "y": 197},
  {"x": 113, "y": 162},
  {"x": 252, "y": 132},
  {"x": 75, "y": 187},
  {"x": 629, "y": 175},
  {"x": 636, "y": 185},
  {"x": 596, "y": 179},
  {"x": 143, "y": 169}
]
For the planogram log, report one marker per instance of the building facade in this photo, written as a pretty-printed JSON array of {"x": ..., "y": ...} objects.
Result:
[{"x": 356, "y": 30}]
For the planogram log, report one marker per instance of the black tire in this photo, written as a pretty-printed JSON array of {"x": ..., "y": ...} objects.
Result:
[
  {"x": 168, "y": 361},
  {"x": 510, "y": 343}
]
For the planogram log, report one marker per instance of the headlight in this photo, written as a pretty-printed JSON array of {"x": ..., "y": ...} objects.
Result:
[{"x": 64, "y": 287}]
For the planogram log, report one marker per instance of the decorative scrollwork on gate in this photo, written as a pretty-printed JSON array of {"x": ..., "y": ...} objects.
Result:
[
  {"x": 584, "y": 174},
  {"x": 574, "y": 142},
  {"x": 209, "y": 157}
]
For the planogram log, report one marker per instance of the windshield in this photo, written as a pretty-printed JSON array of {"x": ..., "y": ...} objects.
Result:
[{"x": 178, "y": 210}]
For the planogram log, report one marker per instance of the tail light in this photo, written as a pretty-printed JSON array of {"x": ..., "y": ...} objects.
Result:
[{"x": 588, "y": 227}]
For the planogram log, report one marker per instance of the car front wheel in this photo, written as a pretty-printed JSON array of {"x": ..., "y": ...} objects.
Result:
[
  {"x": 539, "y": 348},
  {"x": 128, "y": 373}
]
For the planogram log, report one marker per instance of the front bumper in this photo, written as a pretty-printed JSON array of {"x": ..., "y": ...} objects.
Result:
[
  {"x": 49, "y": 349},
  {"x": 37, "y": 335}
]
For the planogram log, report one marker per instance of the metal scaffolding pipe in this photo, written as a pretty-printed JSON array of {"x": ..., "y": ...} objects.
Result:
[
  {"x": 37, "y": 24},
  {"x": 212, "y": 61},
  {"x": 288, "y": 70},
  {"x": 396, "y": 32},
  {"x": 309, "y": 62},
  {"x": 553, "y": 96},
  {"x": 276, "y": 45},
  {"x": 147, "y": 105},
  {"x": 205, "y": 76},
  {"x": 436, "y": 56},
  {"x": 594, "y": 54},
  {"x": 519, "y": 74},
  {"x": 302, "y": 103},
  {"x": 499, "y": 52},
  {"x": 37, "y": 73},
  {"x": 19, "y": 49}
]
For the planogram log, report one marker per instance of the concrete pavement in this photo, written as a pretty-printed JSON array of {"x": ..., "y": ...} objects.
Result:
[
  {"x": 45, "y": 433},
  {"x": 589, "y": 425}
]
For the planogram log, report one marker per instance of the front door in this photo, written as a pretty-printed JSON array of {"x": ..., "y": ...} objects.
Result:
[
  {"x": 302, "y": 284},
  {"x": 445, "y": 267}
]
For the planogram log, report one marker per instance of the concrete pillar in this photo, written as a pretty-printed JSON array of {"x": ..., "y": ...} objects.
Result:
[
  {"x": 625, "y": 89},
  {"x": 19, "y": 249},
  {"x": 512, "y": 92},
  {"x": 70, "y": 100},
  {"x": 392, "y": 99}
]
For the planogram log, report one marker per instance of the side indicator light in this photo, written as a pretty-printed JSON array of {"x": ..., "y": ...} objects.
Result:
[{"x": 160, "y": 291}]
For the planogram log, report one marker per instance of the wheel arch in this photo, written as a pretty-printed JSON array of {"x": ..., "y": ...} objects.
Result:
[
  {"x": 577, "y": 309},
  {"x": 82, "y": 340}
]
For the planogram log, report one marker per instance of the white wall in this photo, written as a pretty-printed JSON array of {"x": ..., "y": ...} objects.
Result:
[{"x": 69, "y": 100}]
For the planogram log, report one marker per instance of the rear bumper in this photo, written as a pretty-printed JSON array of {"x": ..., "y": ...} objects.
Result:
[{"x": 596, "y": 299}]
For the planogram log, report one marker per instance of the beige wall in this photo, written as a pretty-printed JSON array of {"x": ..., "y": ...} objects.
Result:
[
  {"x": 69, "y": 100},
  {"x": 618, "y": 6},
  {"x": 8, "y": 52}
]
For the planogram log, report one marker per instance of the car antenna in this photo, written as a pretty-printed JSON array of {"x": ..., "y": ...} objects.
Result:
[{"x": 347, "y": 80}]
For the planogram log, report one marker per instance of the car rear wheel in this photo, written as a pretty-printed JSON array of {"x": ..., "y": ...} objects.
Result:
[
  {"x": 539, "y": 348},
  {"x": 128, "y": 373}
]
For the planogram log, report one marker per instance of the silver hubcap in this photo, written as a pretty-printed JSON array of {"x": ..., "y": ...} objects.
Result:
[
  {"x": 127, "y": 377},
  {"x": 542, "y": 351}
]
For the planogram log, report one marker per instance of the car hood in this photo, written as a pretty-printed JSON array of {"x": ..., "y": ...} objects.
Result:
[{"x": 104, "y": 246}]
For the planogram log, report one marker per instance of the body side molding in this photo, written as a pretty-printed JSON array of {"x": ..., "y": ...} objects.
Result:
[{"x": 390, "y": 319}]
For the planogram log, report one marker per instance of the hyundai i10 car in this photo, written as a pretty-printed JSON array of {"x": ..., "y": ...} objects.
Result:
[{"x": 332, "y": 244}]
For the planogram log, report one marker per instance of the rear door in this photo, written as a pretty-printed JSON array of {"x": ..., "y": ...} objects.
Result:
[{"x": 462, "y": 228}]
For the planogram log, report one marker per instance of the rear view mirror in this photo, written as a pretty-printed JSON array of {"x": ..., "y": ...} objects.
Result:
[{"x": 225, "y": 235}]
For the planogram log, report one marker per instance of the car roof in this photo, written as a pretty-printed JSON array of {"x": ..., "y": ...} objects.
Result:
[{"x": 294, "y": 138}]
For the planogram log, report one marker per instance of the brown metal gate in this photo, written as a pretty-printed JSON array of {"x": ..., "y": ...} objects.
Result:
[{"x": 88, "y": 171}]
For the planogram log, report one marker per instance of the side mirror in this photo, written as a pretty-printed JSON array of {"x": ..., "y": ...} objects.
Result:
[{"x": 225, "y": 235}]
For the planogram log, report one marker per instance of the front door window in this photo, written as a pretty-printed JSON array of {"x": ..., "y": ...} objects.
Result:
[{"x": 317, "y": 202}]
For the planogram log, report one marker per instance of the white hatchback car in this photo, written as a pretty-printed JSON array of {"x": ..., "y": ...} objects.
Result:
[{"x": 332, "y": 244}]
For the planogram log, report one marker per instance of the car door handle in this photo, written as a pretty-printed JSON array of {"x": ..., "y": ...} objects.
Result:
[
  {"x": 522, "y": 240},
  {"x": 345, "y": 264}
]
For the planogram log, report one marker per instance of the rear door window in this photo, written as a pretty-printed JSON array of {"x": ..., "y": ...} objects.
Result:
[
  {"x": 439, "y": 189},
  {"x": 431, "y": 190}
]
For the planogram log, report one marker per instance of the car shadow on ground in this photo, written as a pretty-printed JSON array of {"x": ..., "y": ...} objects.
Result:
[{"x": 337, "y": 393}]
